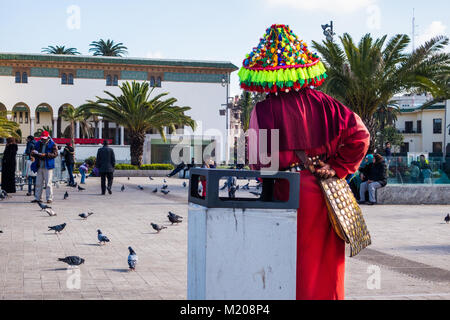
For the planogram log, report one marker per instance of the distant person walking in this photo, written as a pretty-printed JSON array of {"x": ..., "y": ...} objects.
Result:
[
  {"x": 106, "y": 161},
  {"x": 45, "y": 152},
  {"x": 30, "y": 146},
  {"x": 9, "y": 166},
  {"x": 69, "y": 159}
]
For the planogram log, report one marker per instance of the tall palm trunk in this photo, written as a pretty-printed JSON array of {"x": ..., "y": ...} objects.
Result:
[
  {"x": 371, "y": 125},
  {"x": 137, "y": 147},
  {"x": 72, "y": 133}
]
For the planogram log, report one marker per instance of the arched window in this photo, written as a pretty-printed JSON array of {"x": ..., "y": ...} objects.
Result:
[
  {"x": 64, "y": 78},
  {"x": 24, "y": 77},
  {"x": 108, "y": 80},
  {"x": 152, "y": 81},
  {"x": 18, "y": 77},
  {"x": 116, "y": 81},
  {"x": 70, "y": 79},
  {"x": 158, "y": 82},
  {"x": 26, "y": 117}
]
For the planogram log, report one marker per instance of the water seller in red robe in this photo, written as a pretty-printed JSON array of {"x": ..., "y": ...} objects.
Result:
[{"x": 316, "y": 124}]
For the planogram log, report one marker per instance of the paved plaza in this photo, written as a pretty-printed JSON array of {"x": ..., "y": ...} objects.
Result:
[{"x": 409, "y": 257}]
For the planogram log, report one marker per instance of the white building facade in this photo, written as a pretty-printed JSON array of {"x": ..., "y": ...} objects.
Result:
[
  {"x": 425, "y": 130},
  {"x": 34, "y": 88}
]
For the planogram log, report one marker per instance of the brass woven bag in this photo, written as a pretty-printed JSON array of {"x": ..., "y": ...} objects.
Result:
[{"x": 345, "y": 214}]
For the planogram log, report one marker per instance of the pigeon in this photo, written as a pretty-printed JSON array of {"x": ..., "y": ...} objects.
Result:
[
  {"x": 123, "y": 188},
  {"x": 1, "y": 231},
  {"x": 150, "y": 178},
  {"x": 165, "y": 186},
  {"x": 174, "y": 218},
  {"x": 43, "y": 206},
  {"x": 184, "y": 184},
  {"x": 246, "y": 187},
  {"x": 81, "y": 188},
  {"x": 72, "y": 260},
  {"x": 158, "y": 228},
  {"x": 128, "y": 178},
  {"x": 85, "y": 215},
  {"x": 50, "y": 212},
  {"x": 66, "y": 195},
  {"x": 165, "y": 191},
  {"x": 255, "y": 193},
  {"x": 58, "y": 228},
  {"x": 3, "y": 194},
  {"x": 237, "y": 187},
  {"x": 224, "y": 186},
  {"x": 102, "y": 238},
  {"x": 447, "y": 218},
  {"x": 155, "y": 190},
  {"x": 164, "y": 180},
  {"x": 258, "y": 186},
  {"x": 132, "y": 259},
  {"x": 141, "y": 187}
]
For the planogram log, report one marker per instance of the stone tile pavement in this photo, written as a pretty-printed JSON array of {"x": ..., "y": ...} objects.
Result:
[{"x": 410, "y": 245}]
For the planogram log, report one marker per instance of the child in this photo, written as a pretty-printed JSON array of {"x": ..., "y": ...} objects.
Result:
[
  {"x": 83, "y": 170},
  {"x": 30, "y": 175}
]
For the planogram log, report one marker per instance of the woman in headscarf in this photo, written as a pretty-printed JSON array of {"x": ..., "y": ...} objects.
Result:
[
  {"x": 309, "y": 124},
  {"x": 9, "y": 166}
]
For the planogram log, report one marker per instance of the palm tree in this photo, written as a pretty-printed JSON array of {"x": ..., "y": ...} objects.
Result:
[
  {"x": 60, "y": 50},
  {"x": 44, "y": 128},
  {"x": 134, "y": 110},
  {"x": 8, "y": 128},
  {"x": 108, "y": 48},
  {"x": 368, "y": 75},
  {"x": 246, "y": 103},
  {"x": 73, "y": 115},
  {"x": 386, "y": 115}
]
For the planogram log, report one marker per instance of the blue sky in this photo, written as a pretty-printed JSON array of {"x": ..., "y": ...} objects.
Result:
[{"x": 205, "y": 30}]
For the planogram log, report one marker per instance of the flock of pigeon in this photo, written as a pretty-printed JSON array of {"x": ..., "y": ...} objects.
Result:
[{"x": 103, "y": 239}]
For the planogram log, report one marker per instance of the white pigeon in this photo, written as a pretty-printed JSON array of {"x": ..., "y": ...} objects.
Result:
[{"x": 50, "y": 212}]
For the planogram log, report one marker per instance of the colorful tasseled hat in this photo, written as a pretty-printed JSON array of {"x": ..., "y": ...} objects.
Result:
[{"x": 281, "y": 62}]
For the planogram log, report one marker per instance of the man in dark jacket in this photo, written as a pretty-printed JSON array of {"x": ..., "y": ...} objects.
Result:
[
  {"x": 105, "y": 163},
  {"x": 69, "y": 158},
  {"x": 376, "y": 174}
]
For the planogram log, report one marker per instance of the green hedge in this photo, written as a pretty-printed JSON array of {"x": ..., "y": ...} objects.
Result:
[
  {"x": 156, "y": 166},
  {"x": 153, "y": 166}
]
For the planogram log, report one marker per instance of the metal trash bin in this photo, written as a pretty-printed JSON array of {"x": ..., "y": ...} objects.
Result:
[{"x": 241, "y": 248}]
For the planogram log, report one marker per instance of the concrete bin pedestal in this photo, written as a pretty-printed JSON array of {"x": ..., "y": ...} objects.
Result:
[{"x": 241, "y": 248}]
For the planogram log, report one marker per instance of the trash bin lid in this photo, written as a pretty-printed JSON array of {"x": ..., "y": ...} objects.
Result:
[{"x": 253, "y": 198}]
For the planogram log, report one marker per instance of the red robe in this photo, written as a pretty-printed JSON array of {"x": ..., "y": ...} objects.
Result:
[{"x": 310, "y": 120}]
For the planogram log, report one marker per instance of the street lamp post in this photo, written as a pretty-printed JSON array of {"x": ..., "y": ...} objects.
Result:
[{"x": 328, "y": 31}]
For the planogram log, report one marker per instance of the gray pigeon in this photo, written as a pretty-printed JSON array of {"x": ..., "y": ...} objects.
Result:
[
  {"x": 43, "y": 206},
  {"x": 184, "y": 184},
  {"x": 72, "y": 260},
  {"x": 3, "y": 195},
  {"x": 164, "y": 187},
  {"x": 224, "y": 186},
  {"x": 58, "y": 228},
  {"x": 246, "y": 187},
  {"x": 155, "y": 190},
  {"x": 255, "y": 193},
  {"x": 141, "y": 187},
  {"x": 158, "y": 228},
  {"x": 174, "y": 218},
  {"x": 1, "y": 231},
  {"x": 81, "y": 188},
  {"x": 66, "y": 195},
  {"x": 132, "y": 259},
  {"x": 101, "y": 238},
  {"x": 232, "y": 192},
  {"x": 164, "y": 180},
  {"x": 150, "y": 178},
  {"x": 447, "y": 218},
  {"x": 122, "y": 188},
  {"x": 85, "y": 215},
  {"x": 165, "y": 191},
  {"x": 128, "y": 178}
]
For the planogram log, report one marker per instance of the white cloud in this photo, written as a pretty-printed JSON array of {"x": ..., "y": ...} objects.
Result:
[
  {"x": 436, "y": 28},
  {"x": 336, "y": 6},
  {"x": 154, "y": 55}
]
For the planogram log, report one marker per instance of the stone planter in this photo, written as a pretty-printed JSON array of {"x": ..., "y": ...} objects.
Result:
[{"x": 141, "y": 173}]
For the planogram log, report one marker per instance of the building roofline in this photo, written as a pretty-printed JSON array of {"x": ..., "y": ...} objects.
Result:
[{"x": 226, "y": 65}]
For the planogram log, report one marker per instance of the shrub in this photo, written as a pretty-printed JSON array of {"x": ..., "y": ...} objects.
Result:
[
  {"x": 156, "y": 166},
  {"x": 124, "y": 166}
]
